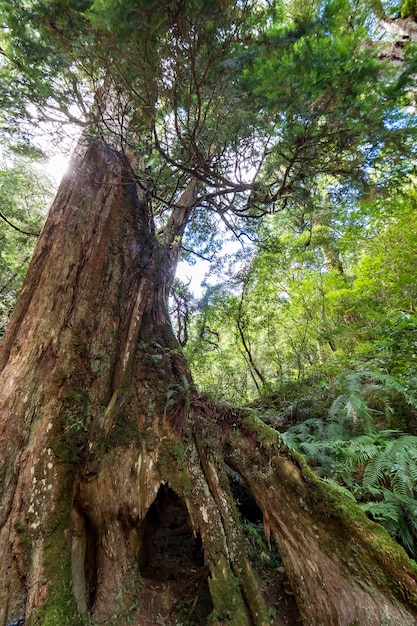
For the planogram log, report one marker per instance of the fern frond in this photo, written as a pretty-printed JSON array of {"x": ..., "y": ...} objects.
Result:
[
  {"x": 398, "y": 514},
  {"x": 404, "y": 535},
  {"x": 357, "y": 409},
  {"x": 359, "y": 450},
  {"x": 375, "y": 492},
  {"x": 310, "y": 429},
  {"x": 413, "y": 453},
  {"x": 317, "y": 452},
  {"x": 391, "y": 384},
  {"x": 401, "y": 481},
  {"x": 389, "y": 462},
  {"x": 374, "y": 472},
  {"x": 337, "y": 431},
  {"x": 382, "y": 511},
  {"x": 290, "y": 439},
  {"x": 413, "y": 469},
  {"x": 337, "y": 406}
]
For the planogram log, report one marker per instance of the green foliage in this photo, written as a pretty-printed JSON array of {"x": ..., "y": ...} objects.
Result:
[
  {"x": 378, "y": 467},
  {"x": 39, "y": 79},
  {"x": 265, "y": 557},
  {"x": 279, "y": 110},
  {"x": 397, "y": 513},
  {"x": 340, "y": 98},
  {"x": 24, "y": 196},
  {"x": 283, "y": 111},
  {"x": 325, "y": 302},
  {"x": 408, "y": 8},
  {"x": 322, "y": 293},
  {"x": 345, "y": 421}
]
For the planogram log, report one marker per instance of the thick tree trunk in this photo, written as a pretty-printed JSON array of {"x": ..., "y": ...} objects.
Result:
[
  {"x": 90, "y": 374},
  {"x": 108, "y": 457}
]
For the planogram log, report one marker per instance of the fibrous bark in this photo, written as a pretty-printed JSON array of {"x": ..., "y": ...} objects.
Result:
[
  {"x": 105, "y": 446},
  {"x": 90, "y": 375}
]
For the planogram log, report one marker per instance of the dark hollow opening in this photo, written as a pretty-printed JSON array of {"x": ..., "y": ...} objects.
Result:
[
  {"x": 245, "y": 502},
  {"x": 169, "y": 547},
  {"x": 263, "y": 555},
  {"x": 170, "y": 553}
]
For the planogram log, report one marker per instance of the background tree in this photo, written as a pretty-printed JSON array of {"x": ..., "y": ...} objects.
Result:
[{"x": 24, "y": 195}]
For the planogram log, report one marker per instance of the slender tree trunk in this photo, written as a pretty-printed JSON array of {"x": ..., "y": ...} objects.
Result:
[{"x": 106, "y": 449}]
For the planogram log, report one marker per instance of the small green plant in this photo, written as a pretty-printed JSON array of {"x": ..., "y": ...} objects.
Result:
[
  {"x": 77, "y": 426},
  {"x": 259, "y": 552},
  {"x": 272, "y": 613}
]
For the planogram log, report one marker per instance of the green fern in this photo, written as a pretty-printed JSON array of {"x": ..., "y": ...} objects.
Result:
[
  {"x": 337, "y": 431},
  {"x": 390, "y": 384},
  {"x": 360, "y": 390},
  {"x": 385, "y": 512},
  {"x": 358, "y": 451},
  {"x": 394, "y": 466},
  {"x": 378, "y": 466},
  {"x": 398, "y": 514},
  {"x": 311, "y": 428},
  {"x": 374, "y": 474}
]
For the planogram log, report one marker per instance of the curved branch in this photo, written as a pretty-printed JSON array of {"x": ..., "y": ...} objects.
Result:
[
  {"x": 197, "y": 254},
  {"x": 19, "y": 230}
]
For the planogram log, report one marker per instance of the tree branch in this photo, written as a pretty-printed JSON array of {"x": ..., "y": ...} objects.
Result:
[{"x": 19, "y": 230}]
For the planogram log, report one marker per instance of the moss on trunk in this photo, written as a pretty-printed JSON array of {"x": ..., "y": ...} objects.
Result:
[{"x": 342, "y": 567}]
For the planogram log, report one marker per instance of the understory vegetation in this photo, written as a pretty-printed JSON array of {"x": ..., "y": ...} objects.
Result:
[{"x": 319, "y": 335}]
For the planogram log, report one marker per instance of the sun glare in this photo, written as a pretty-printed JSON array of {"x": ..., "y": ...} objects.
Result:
[{"x": 56, "y": 167}]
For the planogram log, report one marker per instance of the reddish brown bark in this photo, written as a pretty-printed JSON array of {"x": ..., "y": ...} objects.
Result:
[
  {"x": 90, "y": 368},
  {"x": 343, "y": 568}
]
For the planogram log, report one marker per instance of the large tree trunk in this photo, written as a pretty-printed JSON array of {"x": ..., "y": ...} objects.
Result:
[
  {"x": 107, "y": 452},
  {"x": 95, "y": 393}
]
